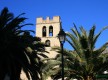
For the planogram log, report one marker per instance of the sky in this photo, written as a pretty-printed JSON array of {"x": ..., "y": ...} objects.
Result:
[{"x": 84, "y": 13}]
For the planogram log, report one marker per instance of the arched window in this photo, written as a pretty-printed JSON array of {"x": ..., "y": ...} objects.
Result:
[
  {"x": 44, "y": 31},
  {"x": 47, "y": 43},
  {"x": 51, "y": 31}
]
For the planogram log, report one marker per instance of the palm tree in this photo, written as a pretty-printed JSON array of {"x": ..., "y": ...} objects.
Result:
[
  {"x": 85, "y": 62},
  {"x": 17, "y": 48},
  {"x": 49, "y": 67}
]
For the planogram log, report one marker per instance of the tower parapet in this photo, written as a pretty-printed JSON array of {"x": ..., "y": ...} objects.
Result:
[{"x": 56, "y": 19}]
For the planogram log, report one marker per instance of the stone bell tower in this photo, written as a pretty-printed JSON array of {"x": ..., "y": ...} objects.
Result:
[{"x": 48, "y": 30}]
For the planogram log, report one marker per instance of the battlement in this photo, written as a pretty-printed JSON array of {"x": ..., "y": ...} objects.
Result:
[{"x": 48, "y": 20}]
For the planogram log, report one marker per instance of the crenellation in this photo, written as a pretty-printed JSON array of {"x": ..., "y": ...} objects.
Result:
[
  {"x": 56, "y": 18},
  {"x": 39, "y": 20},
  {"x": 48, "y": 20}
]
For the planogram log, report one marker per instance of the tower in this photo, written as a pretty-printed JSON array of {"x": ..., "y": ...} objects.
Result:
[{"x": 48, "y": 30}]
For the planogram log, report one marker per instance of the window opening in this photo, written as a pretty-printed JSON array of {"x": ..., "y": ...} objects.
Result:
[
  {"x": 44, "y": 31},
  {"x": 51, "y": 31},
  {"x": 47, "y": 43}
]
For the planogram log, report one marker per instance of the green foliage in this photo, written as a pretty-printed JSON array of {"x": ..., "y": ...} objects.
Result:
[
  {"x": 18, "y": 49},
  {"x": 85, "y": 60}
]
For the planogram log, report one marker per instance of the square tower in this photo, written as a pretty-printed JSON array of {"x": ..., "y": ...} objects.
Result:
[{"x": 48, "y": 30}]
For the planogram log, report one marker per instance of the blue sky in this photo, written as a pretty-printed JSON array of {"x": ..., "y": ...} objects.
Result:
[{"x": 84, "y": 13}]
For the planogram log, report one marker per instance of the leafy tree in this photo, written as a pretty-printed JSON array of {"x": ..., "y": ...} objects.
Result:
[
  {"x": 85, "y": 62},
  {"x": 18, "y": 49}
]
